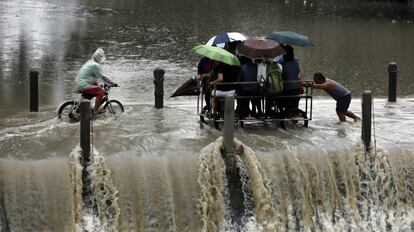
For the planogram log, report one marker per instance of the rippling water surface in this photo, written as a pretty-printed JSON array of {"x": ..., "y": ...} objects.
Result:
[{"x": 354, "y": 42}]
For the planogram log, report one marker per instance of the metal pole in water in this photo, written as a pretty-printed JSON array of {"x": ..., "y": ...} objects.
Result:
[
  {"x": 366, "y": 118},
  {"x": 392, "y": 81},
  {"x": 159, "y": 88},
  {"x": 228, "y": 130},
  {"x": 34, "y": 91},
  {"x": 85, "y": 130}
]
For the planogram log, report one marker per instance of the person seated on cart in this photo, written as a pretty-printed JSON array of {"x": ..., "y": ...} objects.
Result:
[
  {"x": 292, "y": 79},
  {"x": 224, "y": 74},
  {"x": 87, "y": 78},
  {"x": 232, "y": 47},
  {"x": 204, "y": 71},
  {"x": 270, "y": 73},
  {"x": 248, "y": 73}
]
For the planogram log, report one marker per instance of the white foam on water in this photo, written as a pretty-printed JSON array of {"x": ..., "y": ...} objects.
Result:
[{"x": 103, "y": 215}]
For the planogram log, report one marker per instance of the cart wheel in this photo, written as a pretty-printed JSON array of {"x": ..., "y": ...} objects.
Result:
[
  {"x": 304, "y": 116},
  {"x": 282, "y": 124},
  {"x": 216, "y": 125},
  {"x": 202, "y": 119}
]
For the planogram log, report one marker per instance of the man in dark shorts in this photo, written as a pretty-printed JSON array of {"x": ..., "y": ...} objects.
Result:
[{"x": 338, "y": 92}]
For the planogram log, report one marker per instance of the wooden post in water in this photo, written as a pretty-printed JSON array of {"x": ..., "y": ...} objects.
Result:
[
  {"x": 85, "y": 143},
  {"x": 392, "y": 81},
  {"x": 85, "y": 130},
  {"x": 4, "y": 222},
  {"x": 366, "y": 118},
  {"x": 159, "y": 88},
  {"x": 228, "y": 130},
  {"x": 235, "y": 185},
  {"x": 34, "y": 91}
]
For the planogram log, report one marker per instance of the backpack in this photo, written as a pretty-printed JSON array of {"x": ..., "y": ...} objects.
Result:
[{"x": 273, "y": 84}]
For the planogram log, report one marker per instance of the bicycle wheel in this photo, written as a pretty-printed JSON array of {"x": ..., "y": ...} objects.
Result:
[
  {"x": 114, "y": 107},
  {"x": 66, "y": 112}
]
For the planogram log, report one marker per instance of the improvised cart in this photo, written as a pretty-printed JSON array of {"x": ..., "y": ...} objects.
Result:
[{"x": 274, "y": 111}]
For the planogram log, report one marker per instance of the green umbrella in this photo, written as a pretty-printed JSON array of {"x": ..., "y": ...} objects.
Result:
[
  {"x": 291, "y": 38},
  {"x": 217, "y": 54}
]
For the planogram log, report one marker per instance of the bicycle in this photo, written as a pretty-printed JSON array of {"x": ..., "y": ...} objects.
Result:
[{"x": 70, "y": 109}]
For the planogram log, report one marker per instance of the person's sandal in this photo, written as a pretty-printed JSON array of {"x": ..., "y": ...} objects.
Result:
[
  {"x": 101, "y": 112},
  {"x": 98, "y": 113}
]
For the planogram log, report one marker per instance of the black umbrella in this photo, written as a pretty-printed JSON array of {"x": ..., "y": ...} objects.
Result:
[{"x": 189, "y": 88}]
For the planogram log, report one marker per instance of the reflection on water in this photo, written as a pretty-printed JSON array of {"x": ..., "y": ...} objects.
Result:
[{"x": 354, "y": 41}]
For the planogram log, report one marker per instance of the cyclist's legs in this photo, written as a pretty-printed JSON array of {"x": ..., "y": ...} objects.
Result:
[{"x": 96, "y": 91}]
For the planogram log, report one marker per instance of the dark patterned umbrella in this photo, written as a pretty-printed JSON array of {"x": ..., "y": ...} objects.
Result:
[{"x": 256, "y": 48}]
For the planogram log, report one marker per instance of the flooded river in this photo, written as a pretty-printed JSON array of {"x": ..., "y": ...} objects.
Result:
[{"x": 161, "y": 169}]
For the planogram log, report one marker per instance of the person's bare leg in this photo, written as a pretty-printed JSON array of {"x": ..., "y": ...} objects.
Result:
[
  {"x": 352, "y": 115},
  {"x": 341, "y": 116},
  {"x": 97, "y": 105},
  {"x": 213, "y": 105},
  {"x": 221, "y": 107}
]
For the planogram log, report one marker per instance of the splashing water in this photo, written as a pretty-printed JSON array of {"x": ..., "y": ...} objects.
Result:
[
  {"x": 103, "y": 215},
  {"x": 314, "y": 191}
]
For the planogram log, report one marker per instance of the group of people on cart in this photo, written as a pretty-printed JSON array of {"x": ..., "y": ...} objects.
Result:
[
  {"x": 257, "y": 83},
  {"x": 264, "y": 76}
]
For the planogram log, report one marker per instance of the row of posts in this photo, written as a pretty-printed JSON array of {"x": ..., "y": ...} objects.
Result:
[
  {"x": 228, "y": 130},
  {"x": 159, "y": 87},
  {"x": 367, "y": 104},
  {"x": 34, "y": 89},
  {"x": 85, "y": 109},
  {"x": 85, "y": 132},
  {"x": 159, "y": 96}
]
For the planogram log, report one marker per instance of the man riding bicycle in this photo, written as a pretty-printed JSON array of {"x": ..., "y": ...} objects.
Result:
[{"x": 87, "y": 78}]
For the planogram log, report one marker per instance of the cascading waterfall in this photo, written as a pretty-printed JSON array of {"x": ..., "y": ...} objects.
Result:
[
  {"x": 156, "y": 193},
  {"x": 46, "y": 195},
  {"x": 317, "y": 190},
  {"x": 280, "y": 190},
  {"x": 343, "y": 191},
  {"x": 263, "y": 205},
  {"x": 36, "y": 195},
  {"x": 214, "y": 198},
  {"x": 211, "y": 178},
  {"x": 103, "y": 214}
]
